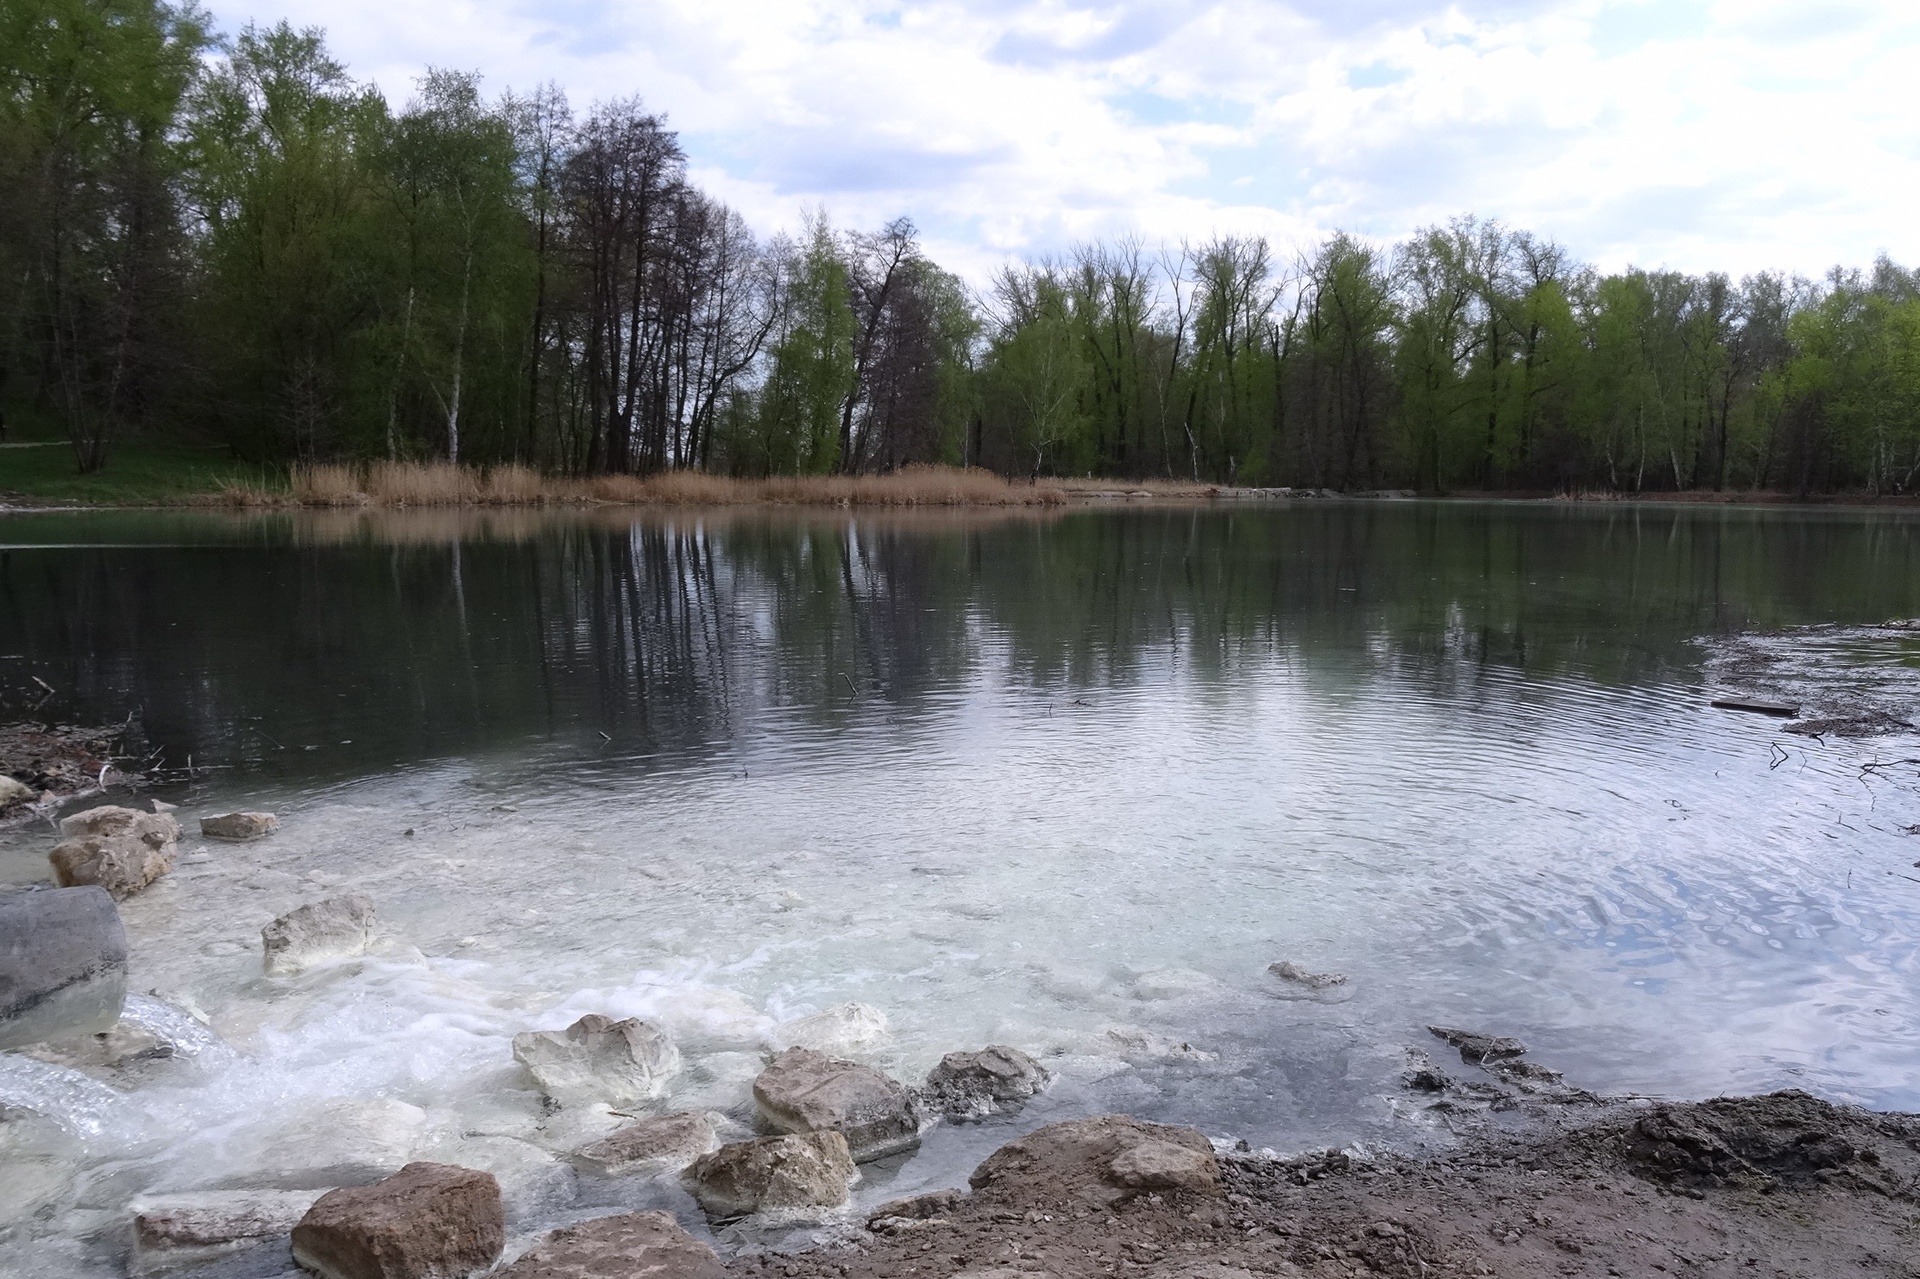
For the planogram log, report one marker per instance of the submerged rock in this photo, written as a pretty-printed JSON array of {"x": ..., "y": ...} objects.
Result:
[
  {"x": 531, "y": 1180},
  {"x": 840, "y": 1029},
  {"x": 1100, "y": 1161},
  {"x": 63, "y": 964},
  {"x": 342, "y": 1141},
  {"x": 1288, "y": 971},
  {"x": 239, "y": 827},
  {"x": 337, "y": 928},
  {"x": 1133, "y": 1044},
  {"x": 151, "y": 1036},
  {"x": 805, "y": 1091},
  {"x": 997, "y": 1077},
  {"x": 1173, "y": 983},
  {"x": 427, "y": 1221},
  {"x": 801, "y": 1170},
  {"x": 599, "y": 1059},
  {"x": 1478, "y": 1049},
  {"x": 663, "y": 1143},
  {"x": 172, "y": 1232},
  {"x": 638, "y": 1244}
]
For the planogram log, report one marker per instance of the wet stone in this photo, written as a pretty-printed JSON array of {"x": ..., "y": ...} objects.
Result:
[
  {"x": 637, "y": 1245},
  {"x": 239, "y": 827},
  {"x": 663, "y": 1143},
  {"x": 337, "y": 928},
  {"x": 799, "y": 1171},
  {"x": 802, "y": 1091},
  {"x": 427, "y": 1221}
]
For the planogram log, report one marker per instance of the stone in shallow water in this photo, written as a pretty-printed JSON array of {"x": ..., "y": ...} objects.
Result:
[
  {"x": 798, "y": 1171},
  {"x": 805, "y": 1091},
  {"x": 599, "y": 1059},
  {"x": 427, "y": 1221},
  {"x": 121, "y": 864},
  {"x": 1476, "y": 1048},
  {"x": 1134, "y": 1044},
  {"x": 1100, "y": 1161},
  {"x": 156, "y": 829},
  {"x": 13, "y": 791},
  {"x": 840, "y": 1029},
  {"x": 336, "y": 928},
  {"x": 239, "y": 827},
  {"x": 342, "y": 1141},
  {"x": 175, "y": 1231},
  {"x": 997, "y": 1077},
  {"x": 633, "y": 1246},
  {"x": 63, "y": 964},
  {"x": 663, "y": 1143}
]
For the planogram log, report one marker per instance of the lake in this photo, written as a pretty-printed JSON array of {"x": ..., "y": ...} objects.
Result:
[{"x": 1017, "y": 779}]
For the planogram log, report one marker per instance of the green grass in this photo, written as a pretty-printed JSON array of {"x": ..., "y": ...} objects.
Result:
[{"x": 138, "y": 473}]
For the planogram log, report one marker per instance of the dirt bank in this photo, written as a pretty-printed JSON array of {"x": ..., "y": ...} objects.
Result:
[{"x": 1779, "y": 1185}]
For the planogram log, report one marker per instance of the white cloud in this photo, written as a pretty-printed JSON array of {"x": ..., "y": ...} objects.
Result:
[{"x": 1735, "y": 135}]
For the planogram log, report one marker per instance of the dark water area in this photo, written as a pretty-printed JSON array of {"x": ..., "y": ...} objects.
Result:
[{"x": 1067, "y": 781}]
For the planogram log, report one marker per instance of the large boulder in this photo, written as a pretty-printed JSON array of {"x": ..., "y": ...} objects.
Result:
[
  {"x": 791, "y": 1173},
  {"x": 639, "y": 1244},
  {"x": 968, "y": 1085},
  {"x": 63, "y": 964},
  {"x": 1099, "y": 1161},
  {"x": 805, "y": 1091},
  {"x": 427, "y": 1221},
  {"x": 172, "y": 1232},
  {"x": 843, "y": 1028},
  {"x": 121, "y": 864},
  {"x": 239, "y": 828},
  {"x": 156, "y": 829},
  {"x": 336, "y": 928},
  {"x": 14, "y": 791},
  {"x": 599, "y": 1059},
  {"x": 662, "y": 1143}
]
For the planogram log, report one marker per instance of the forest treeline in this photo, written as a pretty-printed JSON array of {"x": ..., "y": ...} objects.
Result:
[{"x": 238, "y": 239}]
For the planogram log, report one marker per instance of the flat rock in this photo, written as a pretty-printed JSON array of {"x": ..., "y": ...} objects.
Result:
[
  {"x": 599, "y": 1059},
  {"x": 805, "y": 1091},
  {"x": 63, "y": 964},
  {"x": 1131, "y": 1043},
  {"x": 121, "y": 864},
  {"x": 638, "y": 1245},
  {"x": 180, "y": 1230},
  {"x": 662, "y": 1143},
  {"x": 337, "y": 928},
  {"x": 997, "y": 1077},
  {"x": 427, "y": 1221},
  {"x": 1099, "y": 1161},
  {"x": 899, "y": 1216},
  {"x": 841, "y": 1029},
  {"x": 239, "y": 827},
  {"x": 1288, "y": 971},
  {"x": 1475, "y": 1048},
  {"x": 798, "y": 1171}
]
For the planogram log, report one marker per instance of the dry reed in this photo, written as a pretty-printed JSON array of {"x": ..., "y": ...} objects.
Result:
[{"x": 328, "y": 484}]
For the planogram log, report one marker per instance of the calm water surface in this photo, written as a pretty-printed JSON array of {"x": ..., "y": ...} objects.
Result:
[{"x": 1015, "y": 780}]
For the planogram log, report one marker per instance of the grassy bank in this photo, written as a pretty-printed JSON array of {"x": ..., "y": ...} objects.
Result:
[{"x": 138, "y": 473}]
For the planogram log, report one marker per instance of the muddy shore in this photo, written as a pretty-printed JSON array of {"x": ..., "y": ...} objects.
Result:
[{"x": 1775, "y": 1185}]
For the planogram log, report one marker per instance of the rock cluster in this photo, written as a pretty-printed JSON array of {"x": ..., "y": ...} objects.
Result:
[
  {"x": 599, "y": 1059},
  {"x": 337, "y": 928},
  {"x": 798, "y": 1171},
  {"x": 119, "y": 849},
  {"x": 427, "y": 1221},
  {"x": 802, "y": 1091}
]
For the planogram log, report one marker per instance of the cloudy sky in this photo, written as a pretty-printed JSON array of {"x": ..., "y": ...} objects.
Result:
[{"x": 1733, "y": 135}]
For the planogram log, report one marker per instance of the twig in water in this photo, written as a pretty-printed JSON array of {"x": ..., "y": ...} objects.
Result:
[
  {"x": 851, "y": 686},
  {"x": 42, "y": 683},
  {"x": 605, "y": 737},
  {"x": 1773, "y": 749}
]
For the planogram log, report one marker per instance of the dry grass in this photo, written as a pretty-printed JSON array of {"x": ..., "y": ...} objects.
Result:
[{"x": 413, "y": 484}]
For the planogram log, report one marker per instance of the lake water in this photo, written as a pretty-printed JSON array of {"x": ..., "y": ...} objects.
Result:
[{"x": 1009, "y": 779}]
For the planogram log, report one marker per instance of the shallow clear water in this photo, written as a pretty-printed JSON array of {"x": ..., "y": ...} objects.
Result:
[{"x": 1015, "y": 780}]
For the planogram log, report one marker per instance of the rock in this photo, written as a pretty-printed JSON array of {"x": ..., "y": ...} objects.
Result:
[
  {"x": 531, "y": 1180},
  {"x": 1475, "y": 1048},
  {"x": 156, "y": 830},
  {"x": 175, "y": 1231},
  {"x": 239, "y": 827},
  {"x": 899, "y": 1216},
  {"x": 336, "y": 928},
  {"x": 639, "y": 1245},
  {"x": 1133, "y": 1044},
  {"x": 1100, "y": 1161},
  {"x": 1287, "y": 970},
  {"x": 1165, "y": 1165},
  {"x": 663, "y": 1143},
  {"x": 342, "y": 1141},
  {"x": 802, "y": 1170},
  {"x": 121, "y": 864},
  {"x": 63, "y": 964},
  {"x": 14, "y": 791},
  {"x": 598, "y": 1059},
  {"x": 1173, "y": 983},
  {"x": 840, "y": 1029},
  {"x": 971, "y": 1084},
  {"x": 805, "y": 1091},
  {"x": 427, "y": 1221}
]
